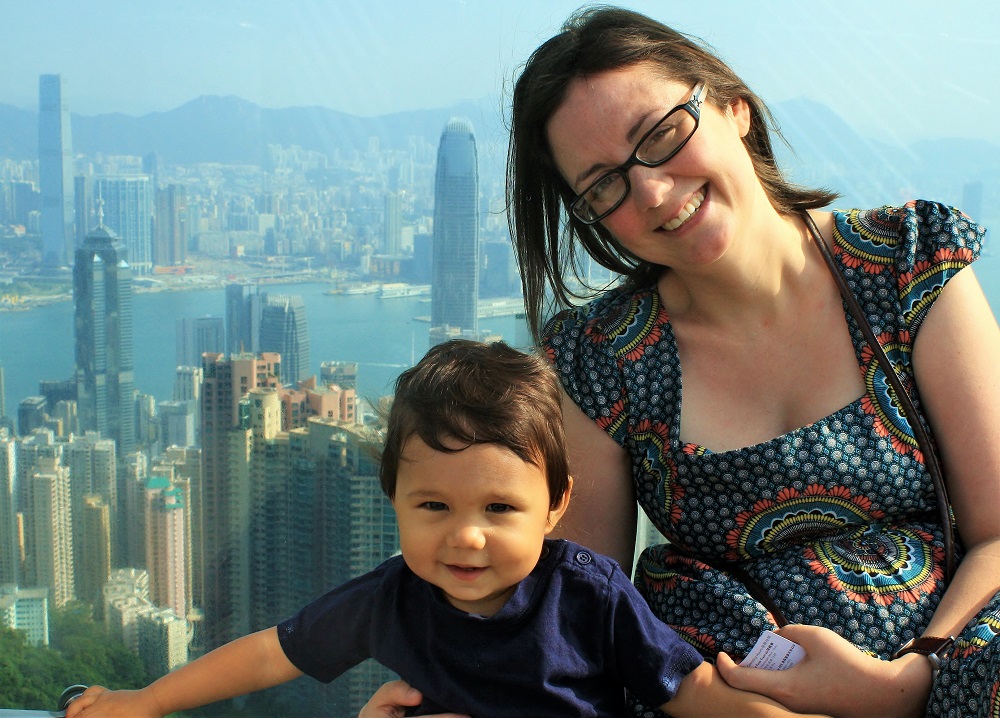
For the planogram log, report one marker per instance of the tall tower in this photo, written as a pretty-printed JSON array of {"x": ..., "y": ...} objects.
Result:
[
  {"x": 55, "y": 171},
  {"x": 51, "y": 563},
  {"x": 171, "y": 235},
  {"x": 283, "y": 329},
  {"x": 102, "y": 294},
  {"x": 10, "y": 560},
  {"x": 243, "y": 309},
  {"x": 128, "y": 211},
  {"x": 455, "y": 263},
  {"x": 225, "y": 496},
  {"x": 392, "y": 229},
  {"x": 166, "y": 545},
  {"x": 94, "y": 565}
]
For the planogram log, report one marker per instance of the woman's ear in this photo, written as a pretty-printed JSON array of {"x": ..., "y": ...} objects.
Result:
[
  {"x": 739, "y": 109},
  {"x": 557, "y": 511}
]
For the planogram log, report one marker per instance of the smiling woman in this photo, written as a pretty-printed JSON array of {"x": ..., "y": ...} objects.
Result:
[{"x": 299, "y": 140}]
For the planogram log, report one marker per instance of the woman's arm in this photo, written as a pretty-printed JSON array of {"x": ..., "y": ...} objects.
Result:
[
  {"x": 704, "y": 694},
  {"x": 602, "y": 515},
  {"x": 248, "y": 664},
  {"x": 957, "y": 364},
  {"x": 958, "y": 376}
]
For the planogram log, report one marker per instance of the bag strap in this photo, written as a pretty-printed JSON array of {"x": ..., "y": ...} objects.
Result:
[{"x": 924, "y": 441}]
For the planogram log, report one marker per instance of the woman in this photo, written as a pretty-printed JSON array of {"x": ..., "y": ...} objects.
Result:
[{"x": 788, "y": 480}]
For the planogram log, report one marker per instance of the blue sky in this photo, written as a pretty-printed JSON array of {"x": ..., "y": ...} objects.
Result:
[{"x": 896, "y": 69}]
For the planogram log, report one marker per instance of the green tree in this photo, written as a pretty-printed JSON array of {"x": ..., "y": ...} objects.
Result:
[{"x": 34, "y": 677}]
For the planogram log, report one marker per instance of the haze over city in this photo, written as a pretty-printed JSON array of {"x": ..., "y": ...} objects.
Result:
[{"x": 891, "y": 68}]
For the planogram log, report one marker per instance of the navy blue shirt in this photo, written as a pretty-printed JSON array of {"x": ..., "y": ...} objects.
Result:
[{"x": 567, "y": 643}]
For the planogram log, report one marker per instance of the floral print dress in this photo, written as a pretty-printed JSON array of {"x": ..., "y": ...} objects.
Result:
[{"x": 835, "y": 523}]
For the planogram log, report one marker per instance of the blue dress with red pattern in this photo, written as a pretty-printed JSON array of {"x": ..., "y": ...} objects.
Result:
[{"x": 836, "y": 521}]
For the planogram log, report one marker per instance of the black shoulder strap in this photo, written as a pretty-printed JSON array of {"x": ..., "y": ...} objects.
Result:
[{"x": 924, "y": 440}]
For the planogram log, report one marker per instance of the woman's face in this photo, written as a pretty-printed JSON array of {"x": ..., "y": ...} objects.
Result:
[{"x": 682, "y": 213}]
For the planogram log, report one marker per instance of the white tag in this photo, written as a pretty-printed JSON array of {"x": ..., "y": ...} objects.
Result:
[{"x": 773, "y": 653}]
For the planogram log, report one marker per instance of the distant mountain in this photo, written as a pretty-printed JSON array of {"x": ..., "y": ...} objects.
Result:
[
  {"x": 826, "y": 150},
  {"x": 230, "y": 130}
]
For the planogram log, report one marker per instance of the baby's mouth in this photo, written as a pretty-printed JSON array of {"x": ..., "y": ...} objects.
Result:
[{"x": 687, "y": 211}]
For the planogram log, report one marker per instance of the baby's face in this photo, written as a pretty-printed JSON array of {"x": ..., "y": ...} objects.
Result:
[{"x": 472, "y": 522}]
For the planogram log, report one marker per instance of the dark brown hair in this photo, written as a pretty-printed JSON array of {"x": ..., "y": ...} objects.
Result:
[
  {"x": 595, "y": 40},
  {"x": 468, "y": 393}
]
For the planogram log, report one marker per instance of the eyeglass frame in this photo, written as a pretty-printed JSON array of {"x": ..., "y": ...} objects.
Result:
[{"x": 692, "y": 107}]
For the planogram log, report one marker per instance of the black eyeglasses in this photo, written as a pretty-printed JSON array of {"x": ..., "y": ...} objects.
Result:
[{"x": 663, "y": 141}]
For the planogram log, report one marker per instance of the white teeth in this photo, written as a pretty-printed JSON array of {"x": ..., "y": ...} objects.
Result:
[{"x": 686, "y": 211}]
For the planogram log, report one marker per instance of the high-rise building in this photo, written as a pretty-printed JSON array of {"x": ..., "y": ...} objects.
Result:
[
  {"x": 455, "y": 263},
  {"x": 128, "y": 211},
  {"x": 284, "y": 330},
  {"x": 197, "y": 335},
  {"x": 31, "y": 414},
  {"x": 83, "y": 202},
  {"x": 392, "y": 227},
  {"x": 10, "y": 559},
  {"x": 94, "y": 567},
  {"x": 243, "y": 310},
  {"x": 50, "y": 564},
  {"x": 225, "y": 488},
  {"x": 93, "y": 470},
  {"x": 187, "y": 382},
  {"x": 102, "y": 295},
  {"x": 178, "y": 421},
  {"x": 26, "y": 610},
  {"x": 342, "y": 373},
  {"x": 171, "y": 235},
  {"x": 55, "y": 172},
  {"x": 166, "y": 549}
]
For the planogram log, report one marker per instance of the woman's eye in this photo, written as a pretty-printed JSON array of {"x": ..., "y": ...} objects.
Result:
[
  {"x": 662, "y": 136},
  {"x": 499, "y": 508},
  {"x": 597, "y": 191}
]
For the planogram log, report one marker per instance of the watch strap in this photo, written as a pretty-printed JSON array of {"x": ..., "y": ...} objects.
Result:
[{"x": 926, "y": 646}]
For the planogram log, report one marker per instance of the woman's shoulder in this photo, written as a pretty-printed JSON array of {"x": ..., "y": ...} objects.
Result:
[
  {"x": 607, "y": 308},
  {"x": 896, "y": 237}
]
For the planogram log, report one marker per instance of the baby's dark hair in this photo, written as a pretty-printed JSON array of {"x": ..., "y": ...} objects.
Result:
[{"x": 464, "y": 392}]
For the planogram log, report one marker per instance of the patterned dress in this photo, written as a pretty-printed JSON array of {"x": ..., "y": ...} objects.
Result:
[{"x": 836, "y": 522}]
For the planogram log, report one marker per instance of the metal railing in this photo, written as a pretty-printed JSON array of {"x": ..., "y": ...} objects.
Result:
[{"x": 68, "y": 696}]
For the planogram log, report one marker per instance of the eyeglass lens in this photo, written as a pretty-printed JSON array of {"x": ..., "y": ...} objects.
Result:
[{"x": 659, "y": 145}]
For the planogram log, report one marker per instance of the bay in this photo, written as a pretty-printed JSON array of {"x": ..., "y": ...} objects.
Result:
[{"x": 384, "y": 336}]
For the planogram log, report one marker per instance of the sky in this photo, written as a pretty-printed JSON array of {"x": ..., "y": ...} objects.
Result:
[{"x": 894, "y": 69}]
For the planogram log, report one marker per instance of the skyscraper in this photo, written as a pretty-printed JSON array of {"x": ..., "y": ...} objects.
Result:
[
  {"x": 198, "y": 335},
  {"x": 55, "y": 171},
  {"x": 102, "y": 294},
  {"x": 10, "y": 560},
  {"x": 243, "y": 309},
  {"x": 128, "y": 210},
  {"x": 225, "y": 497},
  {"x": 392, "y": 228},
  {"x": 455, "y": 264},
  {"x": 171, "y": 235},
  {"x": 283, "y": 329}
]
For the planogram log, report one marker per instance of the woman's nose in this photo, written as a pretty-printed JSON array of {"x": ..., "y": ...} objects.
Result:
[
  {"x": 650, "y": 185},
  {"x": 468, "y": 536}
]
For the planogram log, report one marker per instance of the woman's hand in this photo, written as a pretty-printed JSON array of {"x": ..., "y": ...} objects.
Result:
[
  {"x": 836, "y": 678},
  {"x": 392, "y": 699}
]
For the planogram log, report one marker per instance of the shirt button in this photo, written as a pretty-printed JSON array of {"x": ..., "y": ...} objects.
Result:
[{"x": 583, "y": 558}]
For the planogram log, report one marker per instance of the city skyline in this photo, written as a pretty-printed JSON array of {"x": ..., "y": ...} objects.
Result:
[{"x": 886, "y": 67}]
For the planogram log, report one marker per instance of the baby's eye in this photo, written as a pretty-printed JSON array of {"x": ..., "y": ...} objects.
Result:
[
  {"x": 499, "y": 508},
  {"x": 434, "y": 506}
]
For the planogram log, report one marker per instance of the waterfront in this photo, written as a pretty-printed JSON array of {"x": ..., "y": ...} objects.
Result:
[{"x": 383, "y": 335}]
